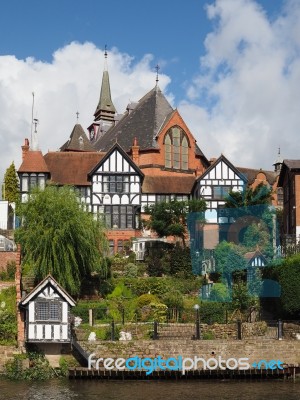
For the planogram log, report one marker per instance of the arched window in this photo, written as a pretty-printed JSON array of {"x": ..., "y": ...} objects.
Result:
[
  {"x": 168, "y": 151},
  {"x": 176, "y": 149}
]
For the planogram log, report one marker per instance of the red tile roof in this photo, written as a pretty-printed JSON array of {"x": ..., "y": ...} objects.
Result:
[
  {"x": 168, "y": 184},
  {"x": 33, "y": 162},
  {"x": 72, "y": 168}
]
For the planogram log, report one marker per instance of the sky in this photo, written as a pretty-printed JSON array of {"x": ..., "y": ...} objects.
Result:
[{"x": 231, "y": 67}]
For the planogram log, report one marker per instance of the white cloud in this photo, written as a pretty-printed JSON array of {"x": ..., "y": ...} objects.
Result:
[
  {"x": 244, "y": 103},
  {"x": 70, "y": 83},
  {"x": 250, "y": 75}
]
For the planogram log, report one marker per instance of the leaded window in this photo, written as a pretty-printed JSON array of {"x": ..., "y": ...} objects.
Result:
[
  {"x": 119, "y": 217},
  {"x": 30, "y": 181},
  {"x": 115, "y": 183},
  {"x": 176, "y": 149},
  {"x": 221, "y": 192},
  {"x": 48, "y": 310}
]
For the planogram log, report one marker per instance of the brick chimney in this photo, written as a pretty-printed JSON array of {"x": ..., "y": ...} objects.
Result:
[
  {"x": 20, "y": 313},
  {"x": 25, "y": 148},
  {"x": 135, "y": 149}
]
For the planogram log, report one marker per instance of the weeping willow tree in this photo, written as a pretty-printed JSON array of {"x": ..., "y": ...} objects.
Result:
[{"x": 58, "y": 236}]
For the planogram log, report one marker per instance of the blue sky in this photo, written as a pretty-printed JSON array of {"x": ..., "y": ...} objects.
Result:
[
  {"x": 232, "y": 67},
  {"x": 172, "y": 31}
]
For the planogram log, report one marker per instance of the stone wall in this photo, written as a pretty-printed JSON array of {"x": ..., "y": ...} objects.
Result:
[
  {"x": 6, "y": 354},
  {"x": 287, "y": 351}
]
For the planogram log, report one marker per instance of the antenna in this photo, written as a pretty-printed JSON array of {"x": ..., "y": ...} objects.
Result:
[
  {"x": 32, "y": 108},
  {"x": 35, "y": 122}
]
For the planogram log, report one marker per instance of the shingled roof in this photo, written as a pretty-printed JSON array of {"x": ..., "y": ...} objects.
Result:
[
  {"x": 166, "y": 184},
  {"x": 143, "y": 122},
  {"x": 78, "y": 141},
  {"x": 33, "y": 162},
  {"x": 72, "y": 168}
]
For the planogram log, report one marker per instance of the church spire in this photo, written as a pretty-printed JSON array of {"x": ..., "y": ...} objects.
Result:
[
  {"x": 105, "y": 109},
  {"x": 278, "y": 163}
]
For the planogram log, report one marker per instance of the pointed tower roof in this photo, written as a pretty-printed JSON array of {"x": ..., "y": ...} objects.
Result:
[
  {"x": 278, "y": 163},
  {"x": 78, "y": 141},
  {"x": 105, "y": 109},
  {"x": 144, "y": 122}
]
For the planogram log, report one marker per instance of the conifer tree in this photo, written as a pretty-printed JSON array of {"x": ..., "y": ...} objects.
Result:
[{"x": 10, "y": 189}]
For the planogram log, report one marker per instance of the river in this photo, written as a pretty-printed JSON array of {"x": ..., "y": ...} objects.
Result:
[{"x": 143, "y": 390}]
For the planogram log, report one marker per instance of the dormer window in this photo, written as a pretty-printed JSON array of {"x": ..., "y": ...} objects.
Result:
[{"x": 176, "y": 149}]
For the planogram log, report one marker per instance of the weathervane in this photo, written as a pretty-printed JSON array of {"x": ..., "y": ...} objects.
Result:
[
  {"x": 105, "y": 51},
  {"x": 77, "y": 115},
  {"x": 157, "y": 69}
]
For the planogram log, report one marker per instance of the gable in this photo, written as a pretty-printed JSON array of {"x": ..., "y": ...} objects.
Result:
[
  {"x": 116, "y": 161},
  {"x": 48, "y": 289},
  {"x": 223, "y": 170},
  {"x": 174, "y": 120}
]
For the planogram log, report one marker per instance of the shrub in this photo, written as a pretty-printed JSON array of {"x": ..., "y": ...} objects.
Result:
[
  {"x": 39, "y": 368},
  {"x": 8, "y": 327},
  {"x": 211, "y": 312},
  {"x": 131, "y": 270},
  {"x": 146, "y": 299}
]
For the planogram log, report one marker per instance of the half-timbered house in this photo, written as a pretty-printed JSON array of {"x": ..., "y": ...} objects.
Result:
[
  {"x": 47, "y": 313},
  {"x": 135, "y": 159}
]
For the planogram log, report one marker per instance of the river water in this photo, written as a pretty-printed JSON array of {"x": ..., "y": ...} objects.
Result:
[{"x": 149, "y": 390}]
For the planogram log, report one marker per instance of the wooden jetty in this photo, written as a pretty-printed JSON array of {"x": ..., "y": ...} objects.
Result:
[{"x": 289, "y": 372}]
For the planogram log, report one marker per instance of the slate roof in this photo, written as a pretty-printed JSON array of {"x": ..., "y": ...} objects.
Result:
[
  {"x": 105, "y": 102},
  {"x": 143, "y": 122},
  {"x": 33, "y": 162},
  {"x": 168, "y": 184},
  {"x": 251, "y": 174},
  {"x": 292, "y": 165},
  {"x": 72, "y": 167},
  {"x": 78, "y": 141}
]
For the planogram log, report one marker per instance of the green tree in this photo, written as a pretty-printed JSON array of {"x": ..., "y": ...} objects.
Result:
[
  {"x": 288, "y": 274},
  {"x": 60, "y": 237},
  {"x": 170, "y": 218},
  {"x": 229, "y": 259},
  {"x": 252, "y": 208},
  {"x": 259, "y": 195},
  {"x": 10, "y": 188}
]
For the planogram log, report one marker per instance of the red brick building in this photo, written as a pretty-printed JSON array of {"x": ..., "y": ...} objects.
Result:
[{"x": 146, "y": 155}]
